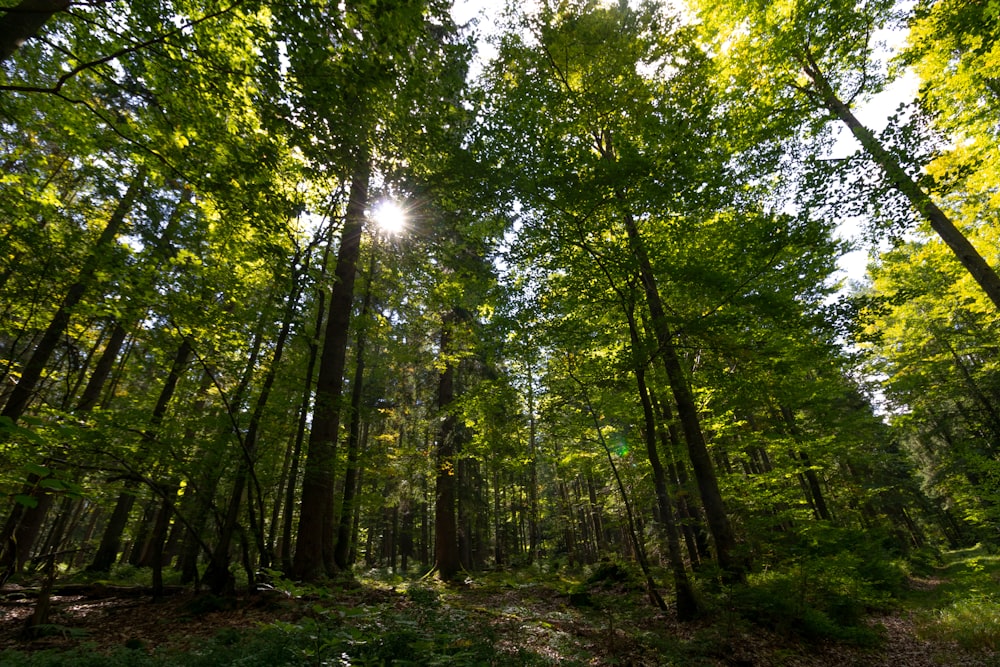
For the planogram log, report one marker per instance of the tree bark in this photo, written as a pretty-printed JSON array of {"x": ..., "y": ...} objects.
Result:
[
  {"x": 687, "y": 604},
  {"x": 447, "y": 557},
  {"x": 107, "y": 551},
  {"x": 314, "y": 542},
  {"x": 633, "y": 532},
  {"x": 95, "y": 385},
  {"x": 343, "y": 545},
  {"x": 812, "y": 479},
  {"x": 119, "y": 330},
  {"x": 22, "y": 22},
  {"x": 304, "y": 405},
  {"x": 217, "y": 575}
]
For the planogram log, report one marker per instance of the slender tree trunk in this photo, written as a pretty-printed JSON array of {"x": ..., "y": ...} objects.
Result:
[
  {"x": 314, "y": 543},
  {"x": 95, "y": 385},
  {"x": 352, "y": 555},
  {"x": 532, "y": 473},
  {"x": 114, "y": 529},
  {"x": 812, "y": 479},
  {"x": 159, "y": 537},
  {"x": 595, "y": 513},
  {"x": 217, "y": 576},
  {"x": 425, "y": 522},
  {"x": 687, "y": 409},
  {"x": 200, "y": 507},
  {"x": 694, "y": 527},
  {"x": 498, "y": 539},
  {"x": 687, "y": 605},
  {"x": 342, "y": 548},
  {"x": 66, "y": 518},
  {"x": 273, "y": 544},
  {"x": 107, "y": 551},
  {"x": 24, "y": 519},
  {"x": 569, "y": 525},
  {"x": 18, "y": 400},
  {"x": 633, "y": 534},
  {"x": 992, "y": 417},
  {"x": 964, "y": 251},
  {"x": 300, "y": 431},
  {"x": 22, "y": 529},
  {"x": 406, "y": 535},
  {"x": 119, "y": 330},
  {"x": 136, "y": 550}
]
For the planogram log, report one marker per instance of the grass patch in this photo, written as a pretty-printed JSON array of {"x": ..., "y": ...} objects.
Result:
[
  {"x": 973, "y": 624},
  {"x": 964, "y": 606}
]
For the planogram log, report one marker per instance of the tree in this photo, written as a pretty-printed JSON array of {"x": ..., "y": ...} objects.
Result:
[
  {"x": 824, "y": 53},
  {"x": 609, "y": 126},
  {"x": 929, "y": 335}
]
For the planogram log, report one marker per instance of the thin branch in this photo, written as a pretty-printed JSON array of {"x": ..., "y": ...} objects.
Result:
[{"x": 118, "y": 54}]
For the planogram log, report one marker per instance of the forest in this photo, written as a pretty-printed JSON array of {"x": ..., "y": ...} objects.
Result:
[{"x": 411, "y": 340}]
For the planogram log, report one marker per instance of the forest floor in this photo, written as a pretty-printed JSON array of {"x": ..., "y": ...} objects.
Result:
[{"x": 951, "y": 618}]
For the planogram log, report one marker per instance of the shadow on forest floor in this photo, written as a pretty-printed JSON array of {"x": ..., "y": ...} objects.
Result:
[{"x": 949, "y": 616}]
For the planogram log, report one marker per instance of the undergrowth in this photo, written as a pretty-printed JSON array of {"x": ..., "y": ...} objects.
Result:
[
  {"x": 835, "y": 579},
  {"x": 533, "y": 617},
  {"x": 419, "y": 633},
  {"x": 964, "y": 607}
]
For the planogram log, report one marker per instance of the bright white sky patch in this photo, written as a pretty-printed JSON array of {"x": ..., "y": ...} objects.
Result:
[{"x": 390, "y": 217}]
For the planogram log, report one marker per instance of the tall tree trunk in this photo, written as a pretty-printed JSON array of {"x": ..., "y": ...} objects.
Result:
[
  {"x": 406, "y": 535},
  {"x": 23, "y": 528},
  {"x": 687, "y": 605},
  {"x": 964, "y": 251},
  {"x": 633, "y": 533},
  {"x": 161, "y": 251},
  {"x": 352, "y": 555},
  {"x": 595, "y": 517},
  {"x": 812, "y": 479},
  {"x": 217, "y": 577},
  {"x": 159, "y": 537},
  {"x": 498, "y": 541},
  {"x": 20, "y": 531},
  {"x": 300, "y": 431},
  {"x": 113, "y": 531},
  {"x": 98, "y": 377},
  {"x": 446, "y": 550},
  {"x": 532, "y": 472},
  {"x": 694, "y": 526},
  {"x": 107, "y": 551},
  {"x": 342, "y": 548},
  {"x": 687, "y": 409},
  {"x": 314, "y": 542}
]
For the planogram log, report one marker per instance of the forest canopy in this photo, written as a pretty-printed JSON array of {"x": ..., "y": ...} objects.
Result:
[{"x": 609, "y": 326}]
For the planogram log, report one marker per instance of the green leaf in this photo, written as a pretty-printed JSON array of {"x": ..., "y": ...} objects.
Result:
[
  {"x": 52, "y": 483},
  {"x": 36, "y": 469},
  {"x": 27, "y": 501}
]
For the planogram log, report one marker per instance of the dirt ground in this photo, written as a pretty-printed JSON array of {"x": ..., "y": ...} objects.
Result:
[{"x": 530, "y": 617}]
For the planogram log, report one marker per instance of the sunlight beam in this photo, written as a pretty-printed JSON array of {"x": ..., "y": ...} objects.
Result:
[{"x": 389, "y": 217}]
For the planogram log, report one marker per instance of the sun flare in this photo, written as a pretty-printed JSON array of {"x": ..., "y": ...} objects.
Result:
[{"x": 389, "y": 217}]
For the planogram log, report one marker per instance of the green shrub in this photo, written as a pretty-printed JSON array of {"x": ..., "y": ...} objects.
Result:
[
  {"x": 423, "y": 596},
  {"x": 826, "y": 598}
]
